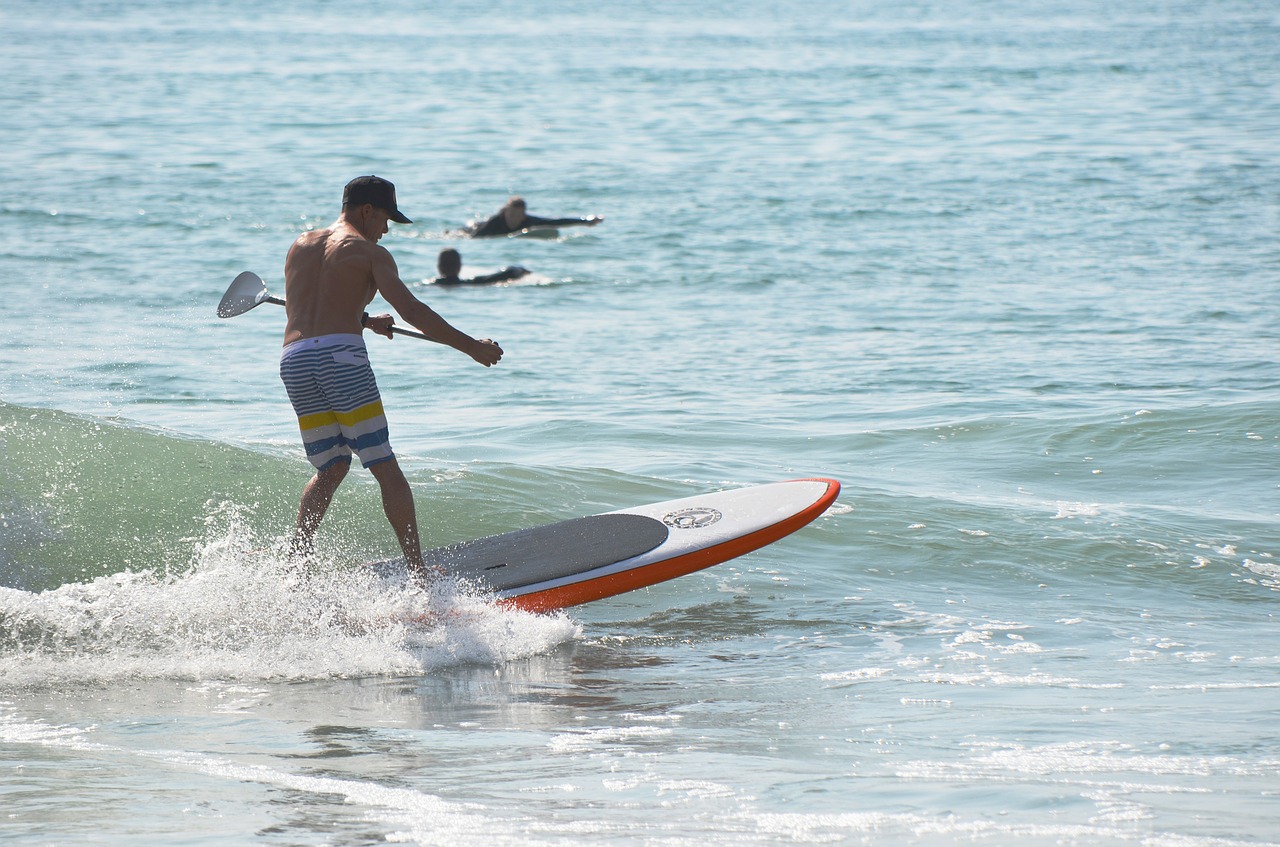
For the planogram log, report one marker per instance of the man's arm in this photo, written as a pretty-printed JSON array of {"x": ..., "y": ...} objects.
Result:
[
  {"x": 512, "y": 272},
  {"x": 386, "y": 277}
]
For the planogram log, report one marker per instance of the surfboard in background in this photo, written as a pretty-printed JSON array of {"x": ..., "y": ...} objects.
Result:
[
  {"x": 547, "y": 232},
  {"x": 584, "y": 559}
]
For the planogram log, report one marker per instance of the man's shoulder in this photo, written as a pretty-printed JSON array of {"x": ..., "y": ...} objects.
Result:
[
  {"x": 312, "y": 237},
  {"x": 333, "y": 238},
  {"x": 343, "y": 245}
]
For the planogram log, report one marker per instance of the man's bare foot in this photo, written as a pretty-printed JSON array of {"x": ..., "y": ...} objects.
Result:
[
  {"x": 298, "y": 562},
  {"x": 298, "y": 570},
  {"x": 425, "y": 576}
]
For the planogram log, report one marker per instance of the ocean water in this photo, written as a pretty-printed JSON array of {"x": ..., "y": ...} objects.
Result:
[{"x": 1008, "y": 271}]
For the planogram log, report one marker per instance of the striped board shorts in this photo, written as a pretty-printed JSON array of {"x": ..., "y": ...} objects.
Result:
[{"x": 335, "y": 397}]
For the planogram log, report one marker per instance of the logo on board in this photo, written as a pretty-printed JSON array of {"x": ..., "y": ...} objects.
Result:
[{"x": 692, "y": 518}]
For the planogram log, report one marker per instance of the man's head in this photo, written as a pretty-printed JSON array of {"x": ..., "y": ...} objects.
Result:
[
  {"x": 375, "y": 191},
  {"x": 514, "y": 212},
  {"x": 449, "y": 262}
]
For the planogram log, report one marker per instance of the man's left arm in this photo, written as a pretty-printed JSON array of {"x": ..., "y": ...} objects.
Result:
[
  {"x": 512, "y": 272},
  {"x": 387, "y": 279}
]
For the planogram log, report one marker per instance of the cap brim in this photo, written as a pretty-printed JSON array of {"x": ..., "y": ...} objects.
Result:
[{"x": 398, "y": 217}]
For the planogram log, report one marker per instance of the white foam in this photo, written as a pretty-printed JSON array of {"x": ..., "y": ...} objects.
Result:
[
  {"x": 987, "y": 676},
  {"x": 1068, "y": 510},
  {"x": 14, "y": 730},
  {"x": 700, "y": 789},
  {"x": 1217, "y": 686},
  {"x": 592, "y": 740},
  {"x": 1269, "y": 572},
  {"x": 1089, "y": 758},
  {"x": 875, "y": 828},
  {"x": 844, "y": 679},
  {"x": 239, "y": 612}
]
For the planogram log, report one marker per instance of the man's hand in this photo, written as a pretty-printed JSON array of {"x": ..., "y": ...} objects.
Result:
[
  {"x": 486, "y": 351},
  {"x": 381, "y": 324}
]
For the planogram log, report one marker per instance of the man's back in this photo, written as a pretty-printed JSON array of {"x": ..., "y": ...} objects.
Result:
[{"x": 328, "y": 280}]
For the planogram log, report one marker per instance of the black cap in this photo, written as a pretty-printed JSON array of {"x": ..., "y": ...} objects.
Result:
[{"x": 375, "y": 190}]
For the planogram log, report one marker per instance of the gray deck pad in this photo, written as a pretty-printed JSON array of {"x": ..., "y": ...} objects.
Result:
[{"x": 529, "y": 556}]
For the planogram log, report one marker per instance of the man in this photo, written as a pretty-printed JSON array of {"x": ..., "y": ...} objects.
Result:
[
  {"x": 330, "y": 276},
  {"x": 514, "y": 217},
  {"x": 449, "y": 266}
]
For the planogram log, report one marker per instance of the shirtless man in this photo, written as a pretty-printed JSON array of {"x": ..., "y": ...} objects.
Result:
[
  {"x": 330, "y": 276},
  {"x": 514, "y": 216}
]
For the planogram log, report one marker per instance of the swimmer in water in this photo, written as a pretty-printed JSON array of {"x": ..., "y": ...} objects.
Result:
[
  {"x": 514, "y": 217},
  {"x": 449, "y": 266}
]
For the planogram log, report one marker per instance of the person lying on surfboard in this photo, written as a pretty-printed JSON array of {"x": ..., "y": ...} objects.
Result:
[
  {"x": 330, "y": 276},
  {"x": 449, "y": 265},
  {"x": 513, "y": 217}
]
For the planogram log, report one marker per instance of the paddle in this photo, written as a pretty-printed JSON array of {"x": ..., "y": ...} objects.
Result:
[{"x": 248, "y": 291}]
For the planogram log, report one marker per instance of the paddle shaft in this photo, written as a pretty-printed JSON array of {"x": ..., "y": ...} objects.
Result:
[{"x": 396, "y": 329}]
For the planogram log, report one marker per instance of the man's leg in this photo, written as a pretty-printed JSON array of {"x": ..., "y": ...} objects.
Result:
[
  {"x": 397, "y": 502},
  {"x": 316, "y": 497}
]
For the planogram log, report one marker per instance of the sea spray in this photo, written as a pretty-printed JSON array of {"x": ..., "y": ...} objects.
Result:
[{"x": 243, "y": 610}]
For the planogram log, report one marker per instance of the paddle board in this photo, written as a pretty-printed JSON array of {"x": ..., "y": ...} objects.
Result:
[{"x": 584, "y": 559}]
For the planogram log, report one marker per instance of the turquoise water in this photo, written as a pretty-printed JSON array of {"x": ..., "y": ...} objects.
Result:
[{"x": 1008, "y": 271}]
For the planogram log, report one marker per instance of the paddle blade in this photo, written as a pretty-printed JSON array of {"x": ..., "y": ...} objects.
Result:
[{"x": 246, "y": 291}]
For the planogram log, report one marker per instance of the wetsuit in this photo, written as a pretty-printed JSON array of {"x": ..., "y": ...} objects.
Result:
[{"x": 497, "y": 225}]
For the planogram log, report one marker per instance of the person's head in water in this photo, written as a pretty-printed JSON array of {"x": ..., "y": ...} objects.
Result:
[
  {"x": 449, "y": 263},
  {"x": 514, "y": 212}
]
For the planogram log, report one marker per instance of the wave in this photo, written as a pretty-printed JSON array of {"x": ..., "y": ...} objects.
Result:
[
  {"x": 135, "y": 553},
  {"x": 82, "y": 498}
]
